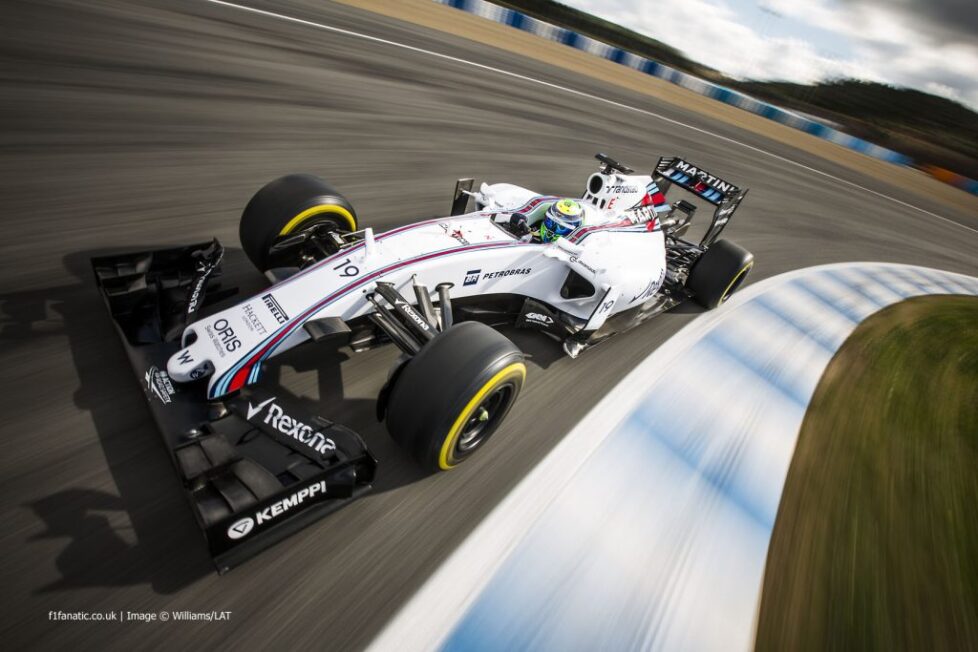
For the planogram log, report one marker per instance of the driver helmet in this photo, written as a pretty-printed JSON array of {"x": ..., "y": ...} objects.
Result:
[{"x": 563, "y": 216}]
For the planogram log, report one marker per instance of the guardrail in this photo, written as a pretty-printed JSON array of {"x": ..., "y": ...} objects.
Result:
[{"x": 720, "y": 93}]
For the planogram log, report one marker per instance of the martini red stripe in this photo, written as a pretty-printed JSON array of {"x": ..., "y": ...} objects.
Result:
[{"x": 240, "y": 377}]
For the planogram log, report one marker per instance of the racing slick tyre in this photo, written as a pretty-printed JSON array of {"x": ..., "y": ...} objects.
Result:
[
  {"x": 451, "y": 397},
  {"x": 718, "y": 273},
  {"x": 287, "y": 206}
]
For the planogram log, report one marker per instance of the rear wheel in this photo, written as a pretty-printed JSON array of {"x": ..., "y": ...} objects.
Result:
[
  {"x": 449, "y": 399},
  {"x": 287, "y": 206},
  {"x": 718, "y": 273}
]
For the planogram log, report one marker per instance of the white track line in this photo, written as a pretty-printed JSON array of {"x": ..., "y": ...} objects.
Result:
[{"x": 412, "y": 48}]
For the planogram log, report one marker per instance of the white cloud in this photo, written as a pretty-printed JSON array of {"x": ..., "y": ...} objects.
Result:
[
  {"x": 813, "y": 12},
  {"x": 709, "y": 33},
  {"x": 884, "y": 43}
]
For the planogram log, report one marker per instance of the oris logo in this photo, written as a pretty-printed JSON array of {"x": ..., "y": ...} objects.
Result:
[
  {"x": 226, "y": 333},
  {"x": 242, "y": 528},
  {"x": 223, "y": 336}
]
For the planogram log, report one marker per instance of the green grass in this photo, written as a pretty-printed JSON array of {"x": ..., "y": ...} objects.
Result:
[{"x": 876, "y": 540}]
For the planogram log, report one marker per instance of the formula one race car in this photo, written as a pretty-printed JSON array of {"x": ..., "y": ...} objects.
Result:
[{"x": 578, "y": 270}]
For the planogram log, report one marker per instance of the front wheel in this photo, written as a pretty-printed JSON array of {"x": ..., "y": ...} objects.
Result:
[
  {"x": 450, "y": 398},
  {"x": 287, "y": 206},
  {"x": 718, "y": 273}
]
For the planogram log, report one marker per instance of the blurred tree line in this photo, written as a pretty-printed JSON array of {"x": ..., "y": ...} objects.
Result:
[
  {"x": 929, "y": 129},
  {"x": 926, "y": 127}
]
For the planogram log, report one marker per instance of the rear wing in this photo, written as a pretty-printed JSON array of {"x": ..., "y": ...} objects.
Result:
[
  {"x": 722, "y": 194},
  {"x": 695, "y": 179}
]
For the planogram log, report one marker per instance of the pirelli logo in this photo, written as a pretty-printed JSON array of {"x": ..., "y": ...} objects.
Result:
[{"x": 274, "y": 308}]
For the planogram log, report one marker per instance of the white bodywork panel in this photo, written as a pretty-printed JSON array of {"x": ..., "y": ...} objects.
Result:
[{"x": 625, "y": 262}]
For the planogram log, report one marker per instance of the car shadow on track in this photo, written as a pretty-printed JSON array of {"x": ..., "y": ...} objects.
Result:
[
  {"x": 144, "y": 532},
  {"x": 114, "y": 539}
]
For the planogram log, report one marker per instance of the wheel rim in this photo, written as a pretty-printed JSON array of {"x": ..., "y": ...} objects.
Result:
[
  {"x": 736, "y": 282},
  {"x": 484, "y": 420},
  {"x": 316, "y": 213},
  {"x": 327, "y": 221},
  {"x": 482, "y": 414}
]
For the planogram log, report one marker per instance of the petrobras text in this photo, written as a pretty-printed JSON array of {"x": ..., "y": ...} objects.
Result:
[{"x": 506, "y": 272}]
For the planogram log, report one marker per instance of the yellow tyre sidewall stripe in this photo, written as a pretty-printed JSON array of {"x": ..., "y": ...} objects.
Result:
[
  {"x": 508, "y": 372},
  {"x": 320, "y": 209},
  {"x": 743, "y": 272}
]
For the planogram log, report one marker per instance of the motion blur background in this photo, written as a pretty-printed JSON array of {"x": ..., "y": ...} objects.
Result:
[
  {"x": 135, "y": 124},
  {"x": 899, "y": 74}
]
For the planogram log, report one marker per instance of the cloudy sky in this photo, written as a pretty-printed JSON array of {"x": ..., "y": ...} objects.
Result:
[{"x": 931, "y": 45}]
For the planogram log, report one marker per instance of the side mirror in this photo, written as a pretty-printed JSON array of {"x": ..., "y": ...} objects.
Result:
[{"x": 461, "y": 198}]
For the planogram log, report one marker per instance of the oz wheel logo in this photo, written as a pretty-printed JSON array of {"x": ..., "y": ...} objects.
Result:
[{"x": 240, "y": 529}]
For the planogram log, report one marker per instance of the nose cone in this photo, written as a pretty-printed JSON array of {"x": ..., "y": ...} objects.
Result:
[{"x": 186, "y": 365}]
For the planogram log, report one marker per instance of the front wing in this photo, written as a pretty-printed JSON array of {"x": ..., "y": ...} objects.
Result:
[{"x": 254, "y": 466}]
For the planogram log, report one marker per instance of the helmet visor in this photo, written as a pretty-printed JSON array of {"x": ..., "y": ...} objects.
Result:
[
  {"x": 558, "y": 227},
  {"x": 563, "y": 217}
]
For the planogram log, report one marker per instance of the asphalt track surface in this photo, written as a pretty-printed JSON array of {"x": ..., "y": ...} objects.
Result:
[{"x": 130, "y": 125}]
